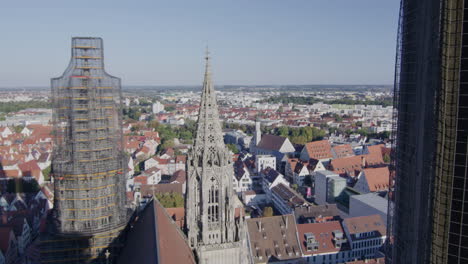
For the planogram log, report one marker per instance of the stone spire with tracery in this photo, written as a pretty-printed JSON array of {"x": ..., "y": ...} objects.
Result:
[{"x": 212, "y": 230}]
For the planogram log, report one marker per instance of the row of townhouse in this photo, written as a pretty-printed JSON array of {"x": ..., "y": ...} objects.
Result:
[
  {"x": 279, "y": 239},
  {"x": 21, "y": 218}
]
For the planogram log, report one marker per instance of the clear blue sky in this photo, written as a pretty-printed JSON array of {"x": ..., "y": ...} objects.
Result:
[{"x": 162, "y": 42}]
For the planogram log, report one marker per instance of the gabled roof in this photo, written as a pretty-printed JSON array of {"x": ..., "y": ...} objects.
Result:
[
  {"x": 181, "y": 159},
  {"x": 178, "y": 176},
  {"x": 155, "y": 238},
  {"x": 270, "y": 174},
  {"x": 319, "y": 149},
  {"x": 151, "y": 171},
  {"x": 312, "y": 164},
  {"x": 239, "y": 169},
  {"x": 168, "y": 151},
  {"x": 288, "y": 195},
  {"x": 30, "y": 168},
  {"x": 271, "y": 142},
  {"x": 348, "y": 165},
  {"x": 377, "y": 178},
  {"x": 292, "y": 163},
  {"x": 342, "y": 151}
]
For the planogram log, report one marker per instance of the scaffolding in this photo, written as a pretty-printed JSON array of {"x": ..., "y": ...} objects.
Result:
[
  {"x": 417, "y": 80},
  {"x": 451, "y": 179},
  {"x": 88, "y": 163}
]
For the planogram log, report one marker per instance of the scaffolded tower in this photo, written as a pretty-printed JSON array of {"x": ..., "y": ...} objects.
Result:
[
  {"x": 88, "y": 162},
  {"x": 430, "y": 221}
]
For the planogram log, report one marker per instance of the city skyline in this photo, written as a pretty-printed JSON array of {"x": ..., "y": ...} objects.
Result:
[{"x": 152, "y": 44}]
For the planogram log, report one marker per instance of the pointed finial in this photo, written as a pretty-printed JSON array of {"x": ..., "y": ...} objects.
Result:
[{"x": 207, "y": 53}]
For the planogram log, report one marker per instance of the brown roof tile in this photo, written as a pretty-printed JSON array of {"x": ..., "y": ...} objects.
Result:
[
  {"x": 319, "y": 149},
  {"x": 273, "y": 238},
  {"x": 377, "y": 178},
  {"x": 271, "y": 142},
  {"x": 362, "y": 224},
  {"x": 342, "y": 151},
  {"x": 324, "y": 234}
]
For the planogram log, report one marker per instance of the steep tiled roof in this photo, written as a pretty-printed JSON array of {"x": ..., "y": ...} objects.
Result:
[
  {"x": 273, "y": 238},
  {"x": 312, "y": 164},
  {"x": 239, "y": 170},
  {"x": 141, "y": 179},
  {"x": 270, "y": 174},
  {"x": 347, "y": 165},
  {"x": 324, "y": 234},
  {"x": 319, "y": 149},
  {"x": 9, "y": 173},
  {"x": 377, "y": 178},
  {"x": 271, "y": 142},
  {"x": 177, "y": 214},
  {"x": 288, "y": 195},
  {"x": 375, "y": 155},
  {"x": 342, "y": 151},
  {"x": 179, "y": 176},
  {"x": 155, "y": 238},
  {"x": 30, "y": 168},
  {"x": 169, "y": 152},
  {"x": 181, "y": 159},
  {"x": 151, "y": 171}
]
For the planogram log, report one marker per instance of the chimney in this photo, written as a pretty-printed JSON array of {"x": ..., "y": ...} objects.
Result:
[
  {"x": 286, "y": 222},
  {"x": 363, "y": 161}
]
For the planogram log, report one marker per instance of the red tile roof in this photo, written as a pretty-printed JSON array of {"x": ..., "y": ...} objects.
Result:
[
  {"x": 178, "y": 215},
  {"x": 323, "y": 233},
  {"x": 172, "y": 244},
  {"x": 377, "y": 178},
  {"x": 347, "y": 165},
  {"x": 30, "y": 169},
  {"x": 342, "y": 151},
  {"x": 9, "y": 173},
  {"x": 319, "y": 149},
  {"x": 178, "y": 176}
]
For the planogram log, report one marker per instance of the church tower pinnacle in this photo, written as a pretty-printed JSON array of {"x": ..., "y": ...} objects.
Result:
[{"x": 212, "y": 230}]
